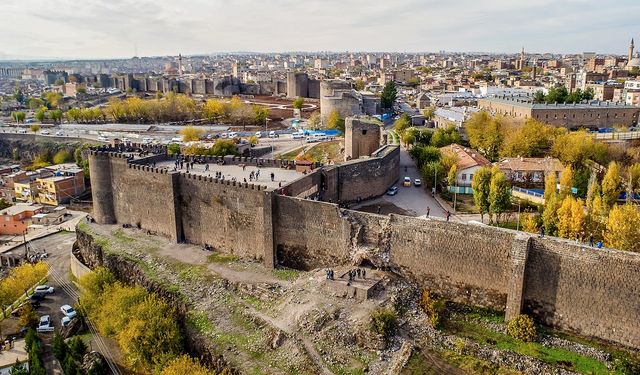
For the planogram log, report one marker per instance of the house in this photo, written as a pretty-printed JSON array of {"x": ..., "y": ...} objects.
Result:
[
  {"x": 16, "y": 219},
  {"x": 468, "y": 161},
  {"x": 64, "y": 185},
  {"x": 529, "y": 172}
]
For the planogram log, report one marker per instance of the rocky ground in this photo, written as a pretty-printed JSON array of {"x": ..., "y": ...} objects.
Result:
[{"x": 291, "y": 322}]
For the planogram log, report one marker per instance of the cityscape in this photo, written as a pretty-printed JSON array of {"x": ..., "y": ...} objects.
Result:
[{"x": 343, "y": 188}]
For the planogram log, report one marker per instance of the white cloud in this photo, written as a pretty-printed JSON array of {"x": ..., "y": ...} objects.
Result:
[{"x": 111, "y": 28}]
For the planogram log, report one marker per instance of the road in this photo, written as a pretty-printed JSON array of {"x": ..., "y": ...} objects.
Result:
[
  {"x": 58, "y": 246},
  {"x": 415, "y": 200}
]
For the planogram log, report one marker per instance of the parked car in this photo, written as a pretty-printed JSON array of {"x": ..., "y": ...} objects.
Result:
[
  {"x": 297, "y": 135},
  {"x": 406, "y": 182},
  {"x": 232, "y": 134},
  {"x": 34, "y": 303},
  {"x": 45, "y": 132},
  {"x": 38, "y": 296},
  {"x": 273, "y": 134},
  {"x": 68, "y": 311},
  {"x": 103, "y": 138},
  {"x": 65, "y": 321},
  {"x": 392, "y": 190},
  {"x": 45, "y": 324},
  {"x": 45, "y": 288},
  {"x": 59, "y": 133},
  {"x": 258, "y": 134},
  {"x": 224, "y": 135},
  {"x": 417, "y": 182}
]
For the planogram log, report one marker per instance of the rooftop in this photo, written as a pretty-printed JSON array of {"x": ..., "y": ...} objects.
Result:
[
  {"x": 229, "y": 171},
  {"x": 531, "y": 164},
  {"x": 20, "y": 208},
  {"x": 467, "y": 157},
  {"x": 527, "y": 101}
]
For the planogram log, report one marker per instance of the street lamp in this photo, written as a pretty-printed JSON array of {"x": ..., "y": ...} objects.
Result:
[{"x": 518, "y": 224}]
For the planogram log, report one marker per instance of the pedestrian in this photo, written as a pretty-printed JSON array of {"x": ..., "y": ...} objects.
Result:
[
  {"x": 350, "y": 276},
  {"x": 448, "y": 214},
  {"x": 379, "y": 209},
  {"x": 542, "y": 232},
  {"x": 328, "y": 272},
  {"x": 279, "y": 184},
  {"x": 273, "y": 175},
  {"x": 358, "y": 272},
  {"x": 244, "y": 166},
  {"x": 590, "y": 239},
  {"x": 245, "y": 180},
  {"x": 428, "y": 211},
  {"x": 331, "y": 270},
  {"x": 364, "y": 274},
  {"x": 206, "y": 167}
]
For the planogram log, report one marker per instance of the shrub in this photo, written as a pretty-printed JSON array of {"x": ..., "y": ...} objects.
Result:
[
  {"x": 433, "y": 306},
  {"x": 62, "y": 156},
  {"x": 383, "y": 321},
  {"x": 522, "y": 328},
  {"x": 184, "y": 365}
]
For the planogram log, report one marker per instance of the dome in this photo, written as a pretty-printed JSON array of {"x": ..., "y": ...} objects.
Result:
[{"x": 634, "y": 62}]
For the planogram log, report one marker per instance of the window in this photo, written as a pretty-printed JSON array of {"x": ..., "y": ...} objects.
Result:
[
  {"x": 464, "y": 177},
  {"x": 471, "y": 176}
]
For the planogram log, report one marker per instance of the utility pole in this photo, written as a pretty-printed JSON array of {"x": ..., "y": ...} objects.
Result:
[
  {"x": 26, "y": 249},
  {"x": 518, "y": 224}
]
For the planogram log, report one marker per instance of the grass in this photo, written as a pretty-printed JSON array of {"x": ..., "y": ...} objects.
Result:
[
  {"x": 555, "y": 356},
  {"x": 222, "y": 258},
  {"x": 199, "y": 320},
  {"x": 290, "y": 155},
  {"x": 286, "y": 274},
  {"x": 119, "y": 234},
  {"x": 323, "y": 152}
]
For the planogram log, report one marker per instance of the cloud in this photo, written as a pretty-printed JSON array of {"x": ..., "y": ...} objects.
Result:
[{"x": 112, "y": 28}]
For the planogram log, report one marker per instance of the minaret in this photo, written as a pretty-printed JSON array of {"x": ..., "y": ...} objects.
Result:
[
  {"x": 522, "y": 59},
  {"x": 533, "y": 71},
  {"x": 179, "y": 64},
  {"x": 631, "y": 48}
]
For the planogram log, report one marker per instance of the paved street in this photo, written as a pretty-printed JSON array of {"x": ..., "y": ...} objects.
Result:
[{"x": 413, "y": 199}]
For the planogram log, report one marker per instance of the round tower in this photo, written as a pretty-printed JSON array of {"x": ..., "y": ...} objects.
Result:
[{"x": 101, "y": 188}]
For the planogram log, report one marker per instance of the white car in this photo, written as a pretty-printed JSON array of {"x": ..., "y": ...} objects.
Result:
[
  {"x": 233, "y": 134},
  {"x": 59, "y": 133},
  {"x": 65, "y": 321},
  {"x": 273, "y": 134},
  {"x": 68, "y": 311},
  {"x": 45, "y": 324},
  {"x": 258, "y": 134},
  {"x": 224, "y": 135},
  {"x": 103, "y": 138},
  {"x": 298, "y": 135},
  {"x": 45, "y": 288},
  {"x": 44, "y": 132}
]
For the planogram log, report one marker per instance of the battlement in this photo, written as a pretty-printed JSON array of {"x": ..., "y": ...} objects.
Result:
[{"x": 245, "y": 185}]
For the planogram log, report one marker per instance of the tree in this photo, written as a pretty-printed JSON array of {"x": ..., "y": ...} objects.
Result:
[
  {"x": 173, "y": 149},
  {"x": 549, "y": 184},
  {"x": 611, "y": 185},
  {"x": 529, "y": 223},
  {"x": 428, "y": 113},
  {"x": 444, "y": 137},
  {"x": 35, "y": 103},
  {"x": 224, "y": 147},
  {"x": 566, "y": 182},
  {"x": 359, "y": 84},
  {"x": 191, "y": 133},
  {"x": 56, "y": 115},
  {"x": 261, "y": 114},
  {"x": 550, "y": 214},
  {"x": 538, "y": 97},
  {"x": 402, "y": 124},
  {"x": 59, "y": 347},
  {"x": 41, "y": 114},
  {"x": 34, "y": 128},
  {"x": 485, "y": 134},
  {"x": 334, "y": 121},
  {"x": 18, "y": 95},
  {"x": 389, "y": 95},
  {"x": 481, "y": 185},
  {"x": 453, "y": 173},
  {"x": 52, "y": 99},
  {"x": 77, "y": 348},
  {"x": 522, "y": 328},
  {"x": 556, "y": 95},
  {"x": 570, "y": 217},
  {"x": 314, "y": 121},
  {"x": 622, "y": 228},
  {"x": 633, "y": 182},
  {"x": 533, "y": 139},
  {"x": 298, "y": 103},
  {"x": 499, "y": 193},
  {"x": 575, "y": 148},
  {"x": 28, "y": 317},
  {"x": 18, "y": 116},
  {"x": 185, "y": 365}
]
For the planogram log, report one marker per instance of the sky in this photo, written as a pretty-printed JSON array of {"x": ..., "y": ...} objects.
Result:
[{"x": 33, "y": 29}]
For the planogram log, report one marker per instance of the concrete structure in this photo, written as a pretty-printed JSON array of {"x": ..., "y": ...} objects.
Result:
[
  {"x": 362, "y": 137},
  {"x": 300, "y": 85},
  {"x": 594, "y": 114},
  {"x": 16, "y": 219},
  {"x": 555, "y": 281},
  {"x": 339, "y": 95},
  {"x": 529, "y": 172}
]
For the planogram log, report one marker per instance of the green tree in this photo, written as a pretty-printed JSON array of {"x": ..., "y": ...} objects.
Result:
[
  {"x": 18, "y": 95},
  {"x": 611, "y": 185},
  {"x": 539, "y": 97},
  {"x": 557, "y": 95},
  {"x": 444, "y": 137},
  {"x": 481, "y": 185},
  {"x": 402, "y": 124},
  {"x": 34, "y": 128},
  {"x": 261, "y": 114},
  {"x": 428, "y": 113},
  {"x": 77, "y": 348},
  {"x": 451, "y": 176},
  {"x": 40, "y": 114},
  {"x": 56, "y": 115},
  {"x": 35, "y": 103},
  {"x": 298, "y": 102},
  {"x": 499, "y": 194},
  {"x": 59, "y": 347},
  {"x": 533, "y": 139},
  {"x": 550, "y": 213},
  {"x": 224, "y": 147},
  {"x": 173, "y": 149},
  {"x": 622, "y": 228},
  {"x": 18, "y": 116},
  {"x": 389, "y": 95},
  {"x": 359, "y": 84}
]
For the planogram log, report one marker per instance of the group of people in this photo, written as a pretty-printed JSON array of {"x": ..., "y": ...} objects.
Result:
[
  {"x": 581, "y": 239},
  {"x": 351, "y": 275}
]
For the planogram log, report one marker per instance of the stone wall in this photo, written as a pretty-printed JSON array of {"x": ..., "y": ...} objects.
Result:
[{"x": 581, "y": 289}]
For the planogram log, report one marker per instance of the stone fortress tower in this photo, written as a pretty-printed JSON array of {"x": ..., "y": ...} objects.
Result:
[
  {"x": 362, "y": 136},
  {"x": 339, "y": 95}
]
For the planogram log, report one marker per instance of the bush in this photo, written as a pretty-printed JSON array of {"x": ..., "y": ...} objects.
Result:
[
  {"x": 28, "y": 317},
  {"x": 184, "y": 365},
  {"x": 62, "y": 156},
  {"x": 383, "y": 321},
  {"x": 522, "y": 328},
  {"x": 433, "y": 306}
]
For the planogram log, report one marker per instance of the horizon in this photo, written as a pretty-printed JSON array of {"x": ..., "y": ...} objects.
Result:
[{"x": 121, "y": 29}]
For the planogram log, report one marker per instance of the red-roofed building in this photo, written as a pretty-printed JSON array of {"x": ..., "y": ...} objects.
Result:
[{"x": 468, "y": 162}]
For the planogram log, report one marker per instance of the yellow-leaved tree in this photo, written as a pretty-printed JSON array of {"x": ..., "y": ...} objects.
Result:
[
  {"x": 566, "y": 182},
  {"x": 529, "y": 223},
  {"x": 570, "y": 217},
  {"x": 191, "y": 133},
  {"x": 622, "y": 228},
  {"x": 184, "y": 365}
]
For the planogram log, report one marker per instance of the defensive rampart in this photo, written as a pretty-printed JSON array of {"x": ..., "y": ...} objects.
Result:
[{"x": 593, "y": 292}]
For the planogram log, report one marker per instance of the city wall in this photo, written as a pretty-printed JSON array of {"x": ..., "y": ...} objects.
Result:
[{"x": 593, "y": 292}]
